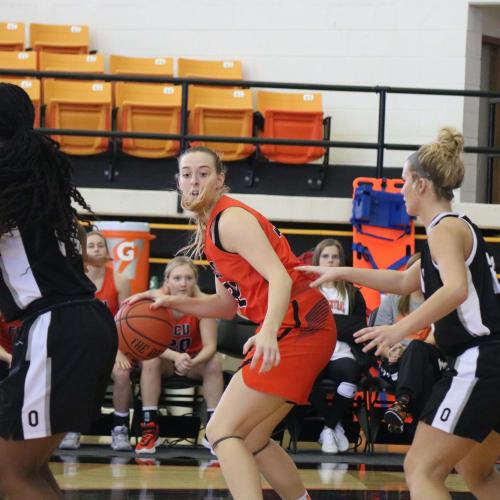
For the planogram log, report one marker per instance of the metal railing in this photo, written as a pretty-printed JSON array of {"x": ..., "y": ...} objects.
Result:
[{"x": 380, "y": 146}]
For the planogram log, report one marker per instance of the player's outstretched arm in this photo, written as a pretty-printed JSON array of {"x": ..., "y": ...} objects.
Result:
[{"x": 384, "y": 280}]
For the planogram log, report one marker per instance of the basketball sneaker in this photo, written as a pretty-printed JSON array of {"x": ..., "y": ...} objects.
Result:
[
  {"x": 395, "y": 417},
  {"x": 119, "y": 438},
  {"x": 327, "y": 441},
  {"x": 71, "y": 441},
  {"x": 150, "y": 438},
  {"x": 340, "y": 438}
]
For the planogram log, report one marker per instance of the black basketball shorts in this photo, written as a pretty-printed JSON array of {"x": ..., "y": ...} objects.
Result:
[
  {"x": 466, "y": 400},
  {"x": 62, "y": 362}
]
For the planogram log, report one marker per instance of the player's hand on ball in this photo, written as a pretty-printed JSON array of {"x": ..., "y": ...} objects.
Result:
[
  {"x": 148, "y": 294},
  {"x": 266, "y": 347},
  {"x": 324, "y": 274}
]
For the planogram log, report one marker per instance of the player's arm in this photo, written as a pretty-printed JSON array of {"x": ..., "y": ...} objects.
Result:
[
  {"x": 218, "y": 305},
  {"x": 122, "y": 284},
  {"x": 447, "y": 243},
  {"x": 241, "y": 233},
  {"x": 208, "y": 333},
  {"x": 384, "y": 280}
]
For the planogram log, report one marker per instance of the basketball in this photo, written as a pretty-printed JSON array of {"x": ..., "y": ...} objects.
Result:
[{"x": 143, "y": 333}]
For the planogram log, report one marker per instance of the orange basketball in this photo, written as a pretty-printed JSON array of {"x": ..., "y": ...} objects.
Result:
[{"x": 143, "y": 333}]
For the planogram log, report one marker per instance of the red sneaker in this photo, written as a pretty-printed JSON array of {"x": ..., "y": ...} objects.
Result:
[{"x": 150, "y": 438}]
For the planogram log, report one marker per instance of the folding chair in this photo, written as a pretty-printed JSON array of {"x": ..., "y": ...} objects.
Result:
[
  {"x": 151, "y": 66},
  {"x": 216, "y": 69},
  {"x": 289, "y": 115},
  {"x": 78, "y": 63},
  {"x": 78, "y": 105},
  {"x": 225, "y": 112},
  {"x": 12, "y": 36},
  {"x": 10, "y": 59},
  {"x": 149, "y": 108},
  {"x": 68, "y": 39}
]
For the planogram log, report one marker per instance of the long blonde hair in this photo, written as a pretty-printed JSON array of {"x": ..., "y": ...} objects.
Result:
[
  {"x": 441, "y": 162},
  {"x": 345, "y": 288},
  {"x": 194, "y": 248},
  {"x": 181, "y": 260}
]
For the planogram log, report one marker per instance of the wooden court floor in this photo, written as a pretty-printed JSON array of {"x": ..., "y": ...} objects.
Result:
[{"x": 186, "y": 475}]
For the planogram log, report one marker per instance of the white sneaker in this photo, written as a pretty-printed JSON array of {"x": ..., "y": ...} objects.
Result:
[
  {"x": 340, "y": 438},
  {"x": 327, "y": 441},
  {"x": 71, "y": 441},
  {"x": 119, "y": 439}
]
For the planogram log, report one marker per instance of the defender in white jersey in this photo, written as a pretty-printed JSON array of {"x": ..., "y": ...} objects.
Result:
[
  {"x": 64, "y": 353},
  {"x": 460, "y": 425}
]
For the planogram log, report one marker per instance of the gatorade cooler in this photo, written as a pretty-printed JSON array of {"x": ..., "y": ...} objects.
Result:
[{"x": 128, "y": 244}]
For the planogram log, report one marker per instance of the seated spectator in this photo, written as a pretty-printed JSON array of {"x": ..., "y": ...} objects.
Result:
[
  {"x": 348, "y": 362},
  {"x": 192, "y": 354},
  {"x": 412, "y": 366},
  {"x": 421, "y": 365},
  {"x": 393, "y": 307},
  {"x": 112, "y": 288}
]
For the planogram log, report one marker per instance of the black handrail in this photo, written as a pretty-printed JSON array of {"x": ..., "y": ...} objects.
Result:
[{"x": 184, "y": 137}]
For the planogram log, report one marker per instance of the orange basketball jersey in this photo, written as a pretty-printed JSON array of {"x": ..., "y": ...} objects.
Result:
[
  {"x": 108, "y": 292},
  {"x": 186, "y": 335},
  {"x": 307, "y": 307}
]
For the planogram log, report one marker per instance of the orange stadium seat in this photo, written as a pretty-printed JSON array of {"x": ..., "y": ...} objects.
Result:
[
  {"x": 69, "y": 39},
  {"x": 149, "y": 108},
  {"x": 81, "y": 63},
  {"x": 78, "y": 105},
  {"x": 18, "y": 60},
  {"x": 222, "y": 111},
  {"x": 152, "y": 66},
  {"x": 32, "y": 88},
  {"x": 12, "y": 36},
  {"x": 194, "y": 68},
  {"x": 291, "y": 116}
]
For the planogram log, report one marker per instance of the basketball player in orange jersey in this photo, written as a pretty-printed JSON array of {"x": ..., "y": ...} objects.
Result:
[
  {"x": 460, "y": 424},
  {"x": 254, "y": 269}
]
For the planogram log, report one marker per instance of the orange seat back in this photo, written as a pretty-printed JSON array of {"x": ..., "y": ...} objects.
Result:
[
  {"x": 12, "y": 36},
  {"x": 68, "y": 39},
  {"x": 32, "y": 88},
  {"x": 152, "y": 66},
  {"x": 149, "y": 108},
  {"x": 222, "y": 111},
  {"x": 291, "y": 116},
  {"x": 78, "y": 105},
  {"x": 216, "y": 69},
  {"x": 78, "y": 63},
  {"x": 10, "y": 59}
]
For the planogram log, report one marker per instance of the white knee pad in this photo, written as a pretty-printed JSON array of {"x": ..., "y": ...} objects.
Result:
[{"x": 347, "y": 389}]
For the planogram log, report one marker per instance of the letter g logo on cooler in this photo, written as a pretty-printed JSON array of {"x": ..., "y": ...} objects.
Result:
[
  {"x": 126, "y": 251},
  {"x": 126, "y": 254}
]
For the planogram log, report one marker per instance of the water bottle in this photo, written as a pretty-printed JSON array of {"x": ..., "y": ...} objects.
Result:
[{"x": 154, "y": 282}]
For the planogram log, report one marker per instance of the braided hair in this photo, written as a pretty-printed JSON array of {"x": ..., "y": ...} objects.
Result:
[{"x": 35, "y": 177}]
